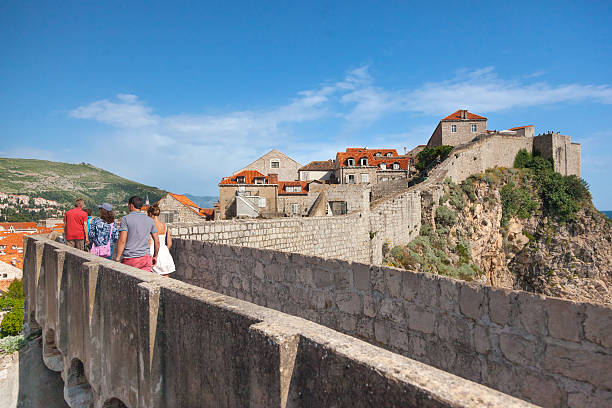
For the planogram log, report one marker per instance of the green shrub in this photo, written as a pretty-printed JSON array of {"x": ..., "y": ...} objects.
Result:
[
  {"x": 12, "y": 323},
  {"x": 522, "y": 159},
  {"x": 456, "y": 199},
  {"x": 10, "y": 344},
  {"x": 15, "y": 290},
  {"x": 468, "y": 187},
  {"x": 445, "y": 216},
  {"x": 516, "y": 201},
  {"x": 429, "y": 155},
  {"x": 463, "y": 250}
]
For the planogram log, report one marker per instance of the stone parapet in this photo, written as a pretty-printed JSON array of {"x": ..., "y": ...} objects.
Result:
[
  {"x": 122, "y": 337},
  {"x": 549, "y": 351}
]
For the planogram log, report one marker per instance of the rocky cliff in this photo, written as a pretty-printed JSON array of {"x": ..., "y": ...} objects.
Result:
[{"x": 509, "y": 228}]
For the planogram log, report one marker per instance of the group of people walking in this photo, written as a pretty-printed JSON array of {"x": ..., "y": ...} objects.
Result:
[{"x": 141, "y": 240}]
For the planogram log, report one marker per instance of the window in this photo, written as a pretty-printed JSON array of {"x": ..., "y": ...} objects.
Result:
[
  {"x": 365, "y": 178},
  {"x": 363, "y": 161},
  {"x": 240, "y": 180},
  {"x": 389, "y": 154},
  {"x": 338, "y": 207},
  {"x": 259, "y": 180},
  {"x": 297, "y": 189},
  {"x": 350, "y": 162},
  {"x": 453, "y": 128},
  {"x": 295, "y": 208},
  {"x": 275, "y": 164},
  {"x": 377, "y": 154},
  {"x": 473, "y": 128},
  {"x": 383, "y": 166},
  {"x": 350, "y": 179},
  {"x": 167, "y": 217},
  {"x": 262, "y": 202},
  {"x": 396, "y": 166}
]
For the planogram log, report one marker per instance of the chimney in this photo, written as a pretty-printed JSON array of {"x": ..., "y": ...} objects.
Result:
[
  {"x": 404, "y": 150},
  {"x": 463, "y": 113},
  {"x": 273, "y": 178}
]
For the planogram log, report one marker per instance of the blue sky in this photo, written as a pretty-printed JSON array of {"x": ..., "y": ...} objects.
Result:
[{"x": 179, "y": 94}]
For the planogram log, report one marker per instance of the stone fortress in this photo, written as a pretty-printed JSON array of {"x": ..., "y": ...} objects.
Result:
[{"x": 297, "y": 311}]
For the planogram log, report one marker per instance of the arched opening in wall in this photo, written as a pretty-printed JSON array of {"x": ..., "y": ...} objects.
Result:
[
  {"x": 77, "y": 391},
  {"x": 114, "y": 403},
  {"x": 51, "y": 355}
]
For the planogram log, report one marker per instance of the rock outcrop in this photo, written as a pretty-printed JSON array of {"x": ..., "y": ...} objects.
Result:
[{"x": 537, "y": 253}]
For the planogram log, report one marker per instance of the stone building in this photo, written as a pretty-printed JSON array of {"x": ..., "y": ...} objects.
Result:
[
  {"x": 248, "y": 193},
  {"x": 317, "y": 170},
  {"x": 564, "y": 153},
  {"x": 179, "y": 208},
  {"x": 370, "y": 166},
  {"x": 293, "y": 198},
  {"x": 458, "y": 128},
  {"x": 275, "y": 162}
]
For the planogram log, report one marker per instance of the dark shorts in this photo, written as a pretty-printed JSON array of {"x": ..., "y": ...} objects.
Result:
[
  {"x": 143, "y": 262},
  {"x": 76, "y": 243}
]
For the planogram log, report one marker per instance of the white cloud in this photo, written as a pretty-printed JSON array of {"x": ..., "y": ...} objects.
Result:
[{"x": 128, "y": 112}]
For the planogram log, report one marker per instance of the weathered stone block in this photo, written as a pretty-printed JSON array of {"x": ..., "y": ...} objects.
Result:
[
  {"x": 429, "y": 291},
  {"x": 349, "y": 302},
  {"x": 482, "y": 344},
  {"x": 500, "y": 305},
  {"x": 532, "y": 312},
  {"x": 517, "y": 349},
  {"x": 393, "y": 281},
  {"x": 581, "y": 365},
  {"x": 449, "y": 294},
  {"x": 273, "y": 272},
  {"x": 322, "y": 278},
  {"x": 392, "y": 309},
  {"x": 541, "y": 390},
  {"x": 361, "y": 276},
  {"x": 410, "y": 286},
  {"x": 598, "y": 324},
  {"x": 471, "y": 301},
  {"x": 564, "y": 319},
  {"x": 381, "y": 332},
  {"x": 370, "y": 306},
  {"x": 421, "y": 320}
]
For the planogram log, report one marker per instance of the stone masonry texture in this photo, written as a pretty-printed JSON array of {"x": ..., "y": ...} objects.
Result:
[
  {"x": 122, "y": 337},
  {"x": 544, "y": 350}
]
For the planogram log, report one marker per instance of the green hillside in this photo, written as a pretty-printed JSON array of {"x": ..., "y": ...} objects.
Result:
[{"x": 64, "y": 182}]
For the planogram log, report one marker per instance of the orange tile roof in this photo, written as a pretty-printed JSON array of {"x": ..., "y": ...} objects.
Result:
[
  {"x": 282, "y": 187},
  {"x": 520, "y": 127},
  {"x": 249, "y": 177},
  {"x": 209, "y": 213},
  {"x": 4, "y": 285},
  {"x": 373, "y": 160},
  {"x": 470, "y": 116},
  {"x": 183, "y": 199},
  {"x": 18, "y": 225}
]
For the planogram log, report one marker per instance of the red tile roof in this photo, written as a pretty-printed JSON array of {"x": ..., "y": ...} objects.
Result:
[
  {"x": 520, "y": 127},
  {"x": 282, "y": 187},
  {"x": 4, "y": 285},
  {"x": 249, "y": 177},
  {"x": 18, "y": 225},
  {"x": 470, "y": 116},
  {"x": 373, "y": 160},
  {"x": 209, "y": 213},
  {"x": 183, "y": 199}
]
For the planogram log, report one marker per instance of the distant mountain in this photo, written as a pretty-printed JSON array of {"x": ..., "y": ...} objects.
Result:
[
  {"x": 203, "y": 201},
  {"x": 64, "y": 182}
]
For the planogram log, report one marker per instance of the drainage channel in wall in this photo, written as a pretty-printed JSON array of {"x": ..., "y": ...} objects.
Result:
[{"x": 77, "y": 391}]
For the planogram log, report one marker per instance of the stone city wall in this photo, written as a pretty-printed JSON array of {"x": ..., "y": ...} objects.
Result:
[
  {"x": 548, "y": 351},
  {"x": 342, "y": 237},
  {"x": 122, "y": 337}
]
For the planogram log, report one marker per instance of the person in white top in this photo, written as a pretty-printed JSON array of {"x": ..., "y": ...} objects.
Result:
[{"x": 165, "y": 263}]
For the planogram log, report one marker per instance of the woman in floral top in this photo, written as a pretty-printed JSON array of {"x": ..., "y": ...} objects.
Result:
[{"x": 103, "y": 228}]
